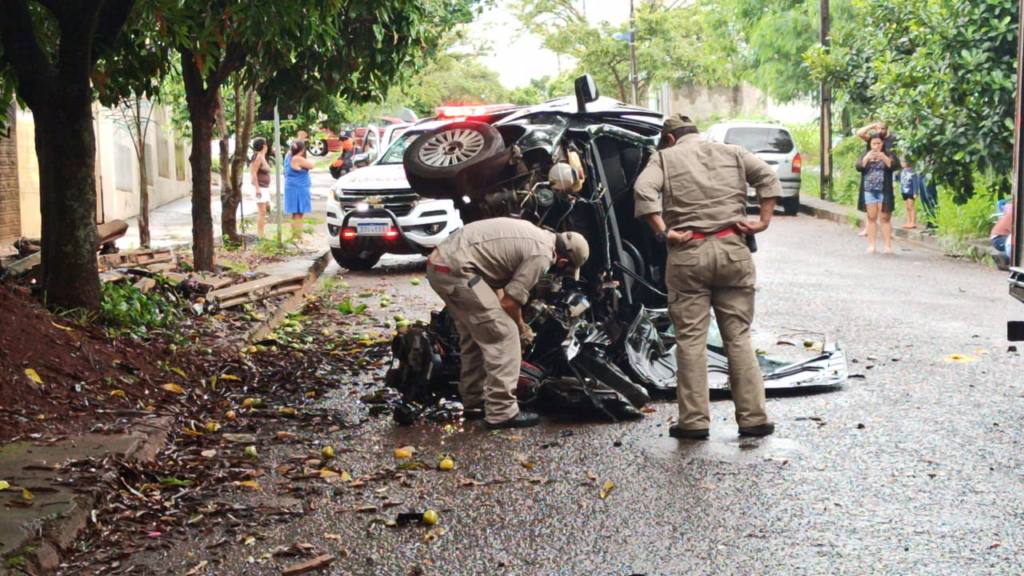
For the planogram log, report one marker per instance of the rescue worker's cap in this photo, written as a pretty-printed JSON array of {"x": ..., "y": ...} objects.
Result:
[
  {"x": 573, "y": 246},
  {"x": 677, "y": 121}
]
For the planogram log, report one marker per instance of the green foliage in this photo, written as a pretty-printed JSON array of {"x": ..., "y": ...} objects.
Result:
[
  {"x": 961, "y": 222},
  {"x": 670, "y": 44},
  {"x": 845, "y": 177},
  {"x": 126, "y": 309},
  {"x": 942, "y": 74}
]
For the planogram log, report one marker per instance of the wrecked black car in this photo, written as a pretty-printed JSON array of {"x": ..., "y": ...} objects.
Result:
[{"x": 604, "y": 344}]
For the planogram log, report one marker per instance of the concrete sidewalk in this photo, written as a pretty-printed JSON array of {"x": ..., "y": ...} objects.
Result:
[
  {"x": 826, "y": 210},
  {"x": 171, "y": 224}
]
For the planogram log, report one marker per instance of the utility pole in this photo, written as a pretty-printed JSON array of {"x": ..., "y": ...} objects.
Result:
[
  {"x": 826, "y": 112},
  {"x": 278, "y": 160},
  {"x": 634, "y": 80}
]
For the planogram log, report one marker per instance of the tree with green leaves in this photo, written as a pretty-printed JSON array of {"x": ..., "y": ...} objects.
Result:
[
  {"x": 52, "y": 55},
  {"x": 299, "y": 52},
  {"x": 670, "y": 39},
  {"x": 942, "y": 75}
]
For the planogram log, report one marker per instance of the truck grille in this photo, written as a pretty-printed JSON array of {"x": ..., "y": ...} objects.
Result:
[{"x": 400, "y": 204}]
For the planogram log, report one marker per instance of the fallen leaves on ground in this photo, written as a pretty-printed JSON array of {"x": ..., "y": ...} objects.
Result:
[
  {"x": 606, "y": 489},
  {"x": 33, "y": 376},
  {"x": 173, "y": 388}
]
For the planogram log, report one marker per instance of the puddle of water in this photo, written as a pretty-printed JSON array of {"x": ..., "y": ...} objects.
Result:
[{"x": 724, "y": 446}]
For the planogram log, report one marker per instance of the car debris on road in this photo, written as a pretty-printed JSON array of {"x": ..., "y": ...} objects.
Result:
[{"x": 604, "y": 344}]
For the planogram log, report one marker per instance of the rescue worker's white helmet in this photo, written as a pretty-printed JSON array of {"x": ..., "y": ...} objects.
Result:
[{"x": 574, "y": 247}]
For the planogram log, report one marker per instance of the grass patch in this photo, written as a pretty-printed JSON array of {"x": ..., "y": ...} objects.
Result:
[{"x": 234, "y": 266}]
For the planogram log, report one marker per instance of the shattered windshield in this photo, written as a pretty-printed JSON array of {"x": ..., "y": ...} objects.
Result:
[{"x": 394, "y": 153}]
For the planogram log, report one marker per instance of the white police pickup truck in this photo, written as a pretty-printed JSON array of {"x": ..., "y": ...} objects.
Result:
[{"x": 372, "y": 211}]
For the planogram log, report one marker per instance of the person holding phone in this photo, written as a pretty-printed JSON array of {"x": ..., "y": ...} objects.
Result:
[
  {"x": 297, "y": 186},
  {"x": 876, "y": 167}
]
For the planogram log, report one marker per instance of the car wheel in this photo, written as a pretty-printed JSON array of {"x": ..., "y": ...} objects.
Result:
[
  {"x": 457, "y": 159},
  {"x": 791, "y": 205},
  {"x": 318, "y": 147},
  {"x": 355, "y": 262}
]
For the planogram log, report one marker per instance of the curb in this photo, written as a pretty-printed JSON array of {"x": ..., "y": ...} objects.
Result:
[
  {"x": 41, "y": 553},
  {"x": 293, "y": 303},
  {"x": 826, "y": 210}
]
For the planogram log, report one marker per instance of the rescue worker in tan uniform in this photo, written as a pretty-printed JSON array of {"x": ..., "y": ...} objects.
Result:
[
  {"x": 693, "y": 194},
  {"x": 466, "y": 271}
]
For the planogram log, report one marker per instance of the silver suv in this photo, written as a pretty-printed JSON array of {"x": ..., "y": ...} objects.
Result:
[{"x": 771, "y": 143}]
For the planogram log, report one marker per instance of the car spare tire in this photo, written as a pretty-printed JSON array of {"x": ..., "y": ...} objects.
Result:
[{"x": 458, "y": 159}]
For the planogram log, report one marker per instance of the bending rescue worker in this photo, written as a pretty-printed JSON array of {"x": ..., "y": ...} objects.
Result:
[
  {"x": 693, "y": 194},
  {"x": 465, "y": 270}
]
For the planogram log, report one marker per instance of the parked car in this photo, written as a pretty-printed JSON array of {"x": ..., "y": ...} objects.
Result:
[
  {"x": 604, "y": 344},
  {"x": 771, "y": 143}
]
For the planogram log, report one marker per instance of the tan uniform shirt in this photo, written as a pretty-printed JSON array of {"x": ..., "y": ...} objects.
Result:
[
  {"x": 706, "y": 187},
  {"x": 507, "y": 253}
]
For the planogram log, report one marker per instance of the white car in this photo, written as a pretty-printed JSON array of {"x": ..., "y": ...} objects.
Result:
[
  {"x": 373, "y": 211},
  {"x": 771, "y": 143}
]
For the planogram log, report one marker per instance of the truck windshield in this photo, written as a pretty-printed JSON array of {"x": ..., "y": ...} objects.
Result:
[
  {"x": 761, "y": 140},
  {"x": 394, "y": 153}
]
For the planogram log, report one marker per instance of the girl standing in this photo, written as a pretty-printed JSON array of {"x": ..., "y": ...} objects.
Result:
[
  {"x": 259, "y": 173},
  {"x": 875, "y": 168}
]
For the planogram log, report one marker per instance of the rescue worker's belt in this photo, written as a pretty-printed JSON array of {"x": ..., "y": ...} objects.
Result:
[{"x": 720, "y": 234}]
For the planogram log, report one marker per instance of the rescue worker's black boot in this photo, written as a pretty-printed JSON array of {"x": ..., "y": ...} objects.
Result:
[
  {"x": 758, "y": 431},
  {"x": 684, "y": 434},
  {"x": 521, "y": 420}
]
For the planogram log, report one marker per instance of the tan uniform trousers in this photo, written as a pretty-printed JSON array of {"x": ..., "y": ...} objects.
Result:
[
  {"x": 488, "y": 342},
  {"x": 714, "y": 273}
]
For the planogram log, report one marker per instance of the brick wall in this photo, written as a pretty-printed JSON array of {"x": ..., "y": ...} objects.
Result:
[{"x": 10, "y": 207}]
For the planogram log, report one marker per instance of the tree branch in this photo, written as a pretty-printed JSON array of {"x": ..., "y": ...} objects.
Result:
[
  {"x": 33, "y": 70},
  {"x": 234, "y": 58},
  {"x": 112, "y": 18}
]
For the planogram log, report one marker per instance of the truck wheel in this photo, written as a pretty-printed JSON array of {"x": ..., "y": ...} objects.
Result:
[
  {"x": 461, "y": 158},
  {"x": 791, "y": 205},
  {"x": 356, "y": 262}
]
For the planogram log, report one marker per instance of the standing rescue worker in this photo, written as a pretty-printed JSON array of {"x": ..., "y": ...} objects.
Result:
[
  {"x": 466, "y": 270},
  {"x": 693, "y": 194}
]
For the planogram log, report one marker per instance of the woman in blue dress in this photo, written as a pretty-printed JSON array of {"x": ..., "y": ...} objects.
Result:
[{"x": 297, "y": 185}]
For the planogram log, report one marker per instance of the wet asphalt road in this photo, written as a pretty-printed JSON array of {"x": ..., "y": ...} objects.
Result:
[{"x": 916, "y": 467}]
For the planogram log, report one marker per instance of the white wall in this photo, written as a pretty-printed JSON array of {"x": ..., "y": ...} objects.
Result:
[{"x": 119, "y": 169}]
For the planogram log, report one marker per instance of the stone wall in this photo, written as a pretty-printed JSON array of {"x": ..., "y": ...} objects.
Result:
[{"x": 10, "y": 207}]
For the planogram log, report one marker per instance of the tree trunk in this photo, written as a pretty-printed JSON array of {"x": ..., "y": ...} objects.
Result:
[
  {"x": 66, "y": 149},
  {"x": 200, "y": 115},
  {"x": 243, "y": 133},
  {"x": 140, "y": 152},
  {"x": 229, "y": 196}
]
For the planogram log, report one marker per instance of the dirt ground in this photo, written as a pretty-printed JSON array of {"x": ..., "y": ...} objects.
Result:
[{"x": 60, "y": 377}]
